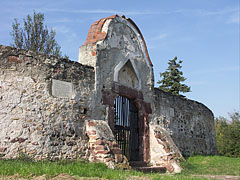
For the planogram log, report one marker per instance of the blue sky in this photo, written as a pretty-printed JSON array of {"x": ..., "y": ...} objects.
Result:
[{"x": 203, "y": 33}]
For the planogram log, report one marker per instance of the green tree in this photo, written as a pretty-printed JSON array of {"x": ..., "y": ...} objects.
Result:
[
  {"x": 35, "y": 36},
  {"x": 228, "y": 135},
  {"x": 172, "y": 78}
]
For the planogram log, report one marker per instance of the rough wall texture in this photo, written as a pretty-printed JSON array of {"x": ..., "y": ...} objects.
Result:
[
  {"x": 33, "y": 120},
  {"x": 122, "y": 68},
  {"x": 119, "y": 47},
  {"x": 55, "y": 108},
  {"x": 163, "y": 150},
  {"x": 190, "y": 124},
  {"x": 117, "y": 51},
  {"x": 103, "y": 146}
]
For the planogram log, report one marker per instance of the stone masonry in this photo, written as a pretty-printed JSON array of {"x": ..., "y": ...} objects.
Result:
[
  {"x": 32, "y": 120},
  {"x": 53, "y": 108}
]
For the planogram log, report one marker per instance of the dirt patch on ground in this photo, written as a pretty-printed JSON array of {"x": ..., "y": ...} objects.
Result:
[
  {"x": 44, "y": 177},
  {"x": 64, "y": 177},
  {"x": 220, "y": 177},
  {"x": 68, "y": 177}
]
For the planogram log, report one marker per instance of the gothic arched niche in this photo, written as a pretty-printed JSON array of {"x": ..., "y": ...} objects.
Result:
[{"x": 127, "y": 76}]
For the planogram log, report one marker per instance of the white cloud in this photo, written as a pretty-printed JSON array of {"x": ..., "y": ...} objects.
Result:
[
  {"x": 98, "y": 11},
  {"x": 161, "y": 36},
  {"x": 217, "y": 70},
  {"x": 227, "y": 10},
  {"x": 234, "y": 19},
  {"x": 158, "y": 37},
  {"x": 61, "y": 29},
  {"x": 232, "y": 13},
  {"x": 62, "y": 20},
  {"x": 65, "y": 31}
]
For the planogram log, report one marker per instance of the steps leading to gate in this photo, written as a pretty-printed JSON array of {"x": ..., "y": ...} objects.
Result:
[
  {"x": 143, "y": 167},
  {"x": 138, "y": 164}
]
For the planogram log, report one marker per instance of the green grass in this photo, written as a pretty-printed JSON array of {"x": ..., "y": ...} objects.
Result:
[
  {"x": 82, "y": 169},
  {"x": 214, "y": 165},
  {"x": 197, "y": 165}
]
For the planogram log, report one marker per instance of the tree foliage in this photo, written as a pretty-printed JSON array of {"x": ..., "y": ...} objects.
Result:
[
  {"x": 228, "y": 135},
  {"x": 172, "y": 78},
  {"x": 35, "y": 36}
]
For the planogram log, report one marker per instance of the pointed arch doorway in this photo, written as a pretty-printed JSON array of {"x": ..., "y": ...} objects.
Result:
[{"x": 126, "y": 129}]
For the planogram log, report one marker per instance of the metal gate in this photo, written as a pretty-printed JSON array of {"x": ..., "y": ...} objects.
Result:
[{"x": 126, "y": 127}]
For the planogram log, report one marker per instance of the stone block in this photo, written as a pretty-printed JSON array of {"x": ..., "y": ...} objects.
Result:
[
  {"x": 14, "y": 140},
  {"x": 62, "y": 89},
  {"x": 99, "y": 142},
  {"x": 118, "y": 157},
  {"x": 100, "y": 147},
  {"x": 102, "y": 152},
  {"x": 91, "y": 123},
  {"x": 2, "y": 149},
  {"x": 21, "y": 140},
  {"x": 14, "y": 59},
  {"x": 116, "y": 151},
  {"x": 108, "y": 159}
]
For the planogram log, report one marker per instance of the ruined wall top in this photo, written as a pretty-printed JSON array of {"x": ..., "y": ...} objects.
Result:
[{"x": 100, "y": 30}]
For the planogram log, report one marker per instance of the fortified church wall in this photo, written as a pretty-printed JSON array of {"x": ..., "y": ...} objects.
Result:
[{"x": 55, "y": 108}]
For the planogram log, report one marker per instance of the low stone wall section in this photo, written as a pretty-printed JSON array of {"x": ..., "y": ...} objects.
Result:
[
  {"x": 103, "y": 146},
  {"x": 190, "y": 123},
  {"x": 44, "y": 102}
]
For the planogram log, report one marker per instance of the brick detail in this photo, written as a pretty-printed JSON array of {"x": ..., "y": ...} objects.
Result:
[
  {"x": 96, "y": 34},
  {"x": 100, "y": 147},
  {"x": 117, "y": 151},
  {"x": 20, "y": 140},
  {"x": 104, "y": 150},
  {"x": 94, "y": 53},
  {"x": 14, "y": 59},
  {"x": 2, "y": 149}
]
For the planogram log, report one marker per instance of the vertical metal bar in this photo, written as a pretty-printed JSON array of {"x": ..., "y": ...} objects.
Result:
[{"x": 122, "y": 121}]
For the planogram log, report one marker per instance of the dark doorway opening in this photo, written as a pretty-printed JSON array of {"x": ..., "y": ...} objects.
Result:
[{"x": 126, "y": 128}]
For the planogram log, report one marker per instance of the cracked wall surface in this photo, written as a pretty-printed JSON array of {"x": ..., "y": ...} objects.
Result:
[
  {"x": 53, "y": 108},
  {"x": 190, "y": 123},
  {"x": 34, "y": 121}
]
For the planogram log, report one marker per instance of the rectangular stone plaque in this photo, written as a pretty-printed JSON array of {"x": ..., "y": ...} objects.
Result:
[
  {"x": 62, "y": 89},
  {"x": 171, "y": 112}
]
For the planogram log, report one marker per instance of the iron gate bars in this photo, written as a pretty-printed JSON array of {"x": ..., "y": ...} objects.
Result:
[{"x": 126, "y": 127}]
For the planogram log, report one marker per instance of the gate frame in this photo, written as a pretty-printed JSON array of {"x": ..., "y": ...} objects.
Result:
[{"x": 144, "y": 109}]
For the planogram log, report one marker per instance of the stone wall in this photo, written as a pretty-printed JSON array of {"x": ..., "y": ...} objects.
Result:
[
  {"x": 44, "y": 104},
  {"x": 103, "y": 146},
  {"x": 55, "y": 108},
  {"x": 190, "y": 123}
]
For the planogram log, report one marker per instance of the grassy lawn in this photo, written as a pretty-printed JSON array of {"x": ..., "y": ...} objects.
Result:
[{"x": 213, "y": 165}]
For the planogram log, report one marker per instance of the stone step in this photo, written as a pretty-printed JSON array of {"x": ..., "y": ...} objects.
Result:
[
  {"x": 138, "y": 164},
  {"x": 151, "y": 169},
  {"x": 143, "y": 167}
]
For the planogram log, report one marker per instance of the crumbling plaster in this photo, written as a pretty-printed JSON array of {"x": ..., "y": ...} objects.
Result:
[
  {"x": 53, "y": 108},
  {"x": 190, "y": 123},
  {"x": 121, "y": 44},
  {"x": 33, "y": 120}
]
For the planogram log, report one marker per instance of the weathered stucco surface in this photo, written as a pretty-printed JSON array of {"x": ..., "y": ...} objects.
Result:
[
  {"x": 119, "y": 58},
  {"x": 55, "y": 108},
  {"x": 163, "y": 150}
]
